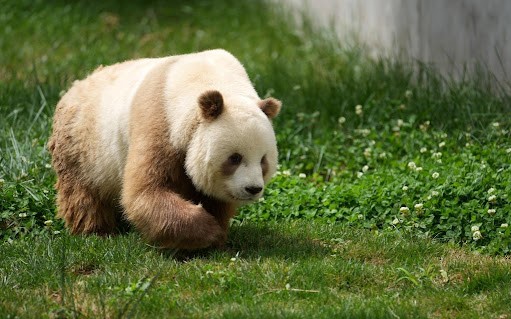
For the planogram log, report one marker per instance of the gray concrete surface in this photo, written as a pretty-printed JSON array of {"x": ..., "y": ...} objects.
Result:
[{"x": 451, "y": 34}]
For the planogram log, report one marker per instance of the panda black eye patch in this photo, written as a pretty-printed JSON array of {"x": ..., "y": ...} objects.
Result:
[{"x": 235, "y": 159}]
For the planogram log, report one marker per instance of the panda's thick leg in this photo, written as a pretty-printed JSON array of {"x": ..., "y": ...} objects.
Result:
[
  {"x": 163, "y": 217},
  {"x": 83, "y": 211},
  {"x": 168, "y": 221}
]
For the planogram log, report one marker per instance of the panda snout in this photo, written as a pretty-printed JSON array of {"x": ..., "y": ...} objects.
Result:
[{"x": 253, "y": 190}]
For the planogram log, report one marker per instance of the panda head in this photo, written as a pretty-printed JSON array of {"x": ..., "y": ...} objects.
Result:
[{"x": 233, "y": 152}]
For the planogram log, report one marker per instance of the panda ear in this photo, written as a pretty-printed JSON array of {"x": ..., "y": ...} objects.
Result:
[
  {"x": 211, "y": 104},
  {"x": 270, "y": 107}
]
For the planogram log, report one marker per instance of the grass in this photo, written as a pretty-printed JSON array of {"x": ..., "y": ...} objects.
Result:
[
  {"x": 395, "y": 208},
  {"x": 295, "y": 269}
]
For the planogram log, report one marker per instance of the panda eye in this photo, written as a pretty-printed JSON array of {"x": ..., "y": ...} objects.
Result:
[{"x": 235, "y": 159}]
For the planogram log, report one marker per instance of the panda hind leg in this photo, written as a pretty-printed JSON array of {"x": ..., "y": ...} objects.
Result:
[{"x": 84, "y": 211}]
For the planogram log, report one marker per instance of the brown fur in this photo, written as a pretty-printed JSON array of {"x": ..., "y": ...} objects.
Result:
[
  {"x": 270, "y": 106},
  {"x": 158, "y": 197},
  {"x": 211, "y": 104}
]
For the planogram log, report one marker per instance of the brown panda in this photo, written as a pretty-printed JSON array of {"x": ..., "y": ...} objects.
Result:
[{"x": 173, "y": 145}]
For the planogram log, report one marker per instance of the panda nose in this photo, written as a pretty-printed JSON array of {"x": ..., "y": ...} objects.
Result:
[{"x": 253, "y": 189}]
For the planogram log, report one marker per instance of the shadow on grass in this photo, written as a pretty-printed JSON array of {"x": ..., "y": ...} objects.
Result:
[{"x": 252, "y": 241}]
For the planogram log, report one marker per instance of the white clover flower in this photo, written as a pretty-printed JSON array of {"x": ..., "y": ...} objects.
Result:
[
  {"x": 505, "y": 225},
  {"x": 405, "y": 188},
  {"x": 495, "y": 124},
  {"x": 423, "y": 150},
  {"x": 400, "y": 122},
  {"x": 402, "y": 107},
  {"x": 404, "y": 210},
  {"x": 48, "y": 222},
  {"x": 286, "y": 173},
  {"x": 442, "y": 144},
  {"x": 412, "y": 165},
  {"x": 382, "y": 155},
  {"x": 492, "y": 199},
  {"x": 395, "y": 129},
  {"x": 424, "y": 126},
  {"x": 365, "y": 168},
  {"x": 477, "y": 235},
  {"x": 360, "y": 174},
  {"x": 434, "y": 193},
  {"x": 467, "y": 144},
  {"x": 474, "y": 228},
  {"x": 491, "y": 190},
  {"x": 367, "y": 152},
  {"x": 22, "y": 215},
  {"x": 341, "y": 120},
  {"x": 233, "y": 259},
  {"x": 435, "y": 175},
  {"x": 395, "y": 221},
  {"x": 2, "y": 181},
  {"x": 508, "y": 150},
  {"x": 302, "y": 175},
  {"x": 436, "y": 155},
  {"x": 408, "y": 94},
  {"x": 358, "y": 110},
  {"x": 418, "y": 169},
  {"x": 419, "y": 207},
  {"x": 491, "y": 211},
  {"x": 56, "y": 232}
]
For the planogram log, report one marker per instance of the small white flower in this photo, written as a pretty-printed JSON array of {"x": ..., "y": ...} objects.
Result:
[
  {"x": 47, "y": 165},
  {"x": 435, "y": 175},
  {"x": 360, "y": 174},
  {"x": 358, "y": 110},
  {"x": 412, "y": 165},
  {"x": 442, "y": 144},
  {"x": 477, "y": 235},
  {"x": 491, "y": 190},
  {"x": 405, "y": 188},
  {"x": 505, "y": 225},
  {"x": 286, "y": 173},
  {"x": 341, "y": 120},
  {"x": 437, "y": 155},
  {"x": 367, "y": 152},
  {"x": 48, "y": 222},
  {"x": 418, "y": 169},
  {"x": 495, "y": 124},
  {"x": 467, "y": 144},
  {"x": 302, "y": 175},
  {"x": 395, "y": 221},
  {"x": 400, "y": 122},
  {"x": 365, "y": 168},
  {"x": 408, "y": 94},
  {"x": 434, "y": 193},
  {"x": 209, "y": 272},
  {"x": 492, "y": 199},
  {"x": 404, "y": 210},
  {"x": 233, "y": 259},
  {"x": 423, "y": 150},
  {"x": 474, "y": 228},
  {"x": 56, "y": 232},
  {"x": 402, "y": 107},
  {"x": 419, "y": 207},
  {"x": 22, "y": 215},
  {"x": 508, "y": 150},
  {"x": 491, "y": 211},
  {"x": 288, "y": 286},
  {"x": 382, "y": 155}
]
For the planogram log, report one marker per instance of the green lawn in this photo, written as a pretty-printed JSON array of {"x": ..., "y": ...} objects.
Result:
[{"x": 391, "y": 199}]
